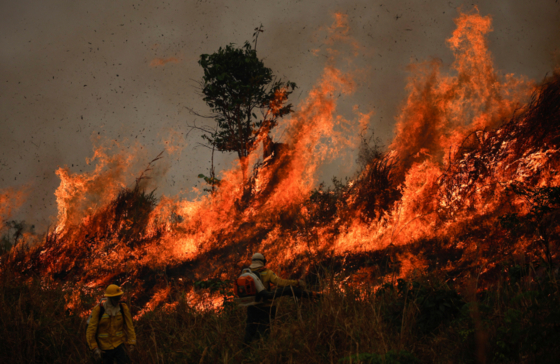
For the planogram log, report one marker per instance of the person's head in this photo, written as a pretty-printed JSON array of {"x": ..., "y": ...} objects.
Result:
[
  {"x": 257, "y": 261},
  {"x": 113, "y": 294},
  {"x": 114, "y": 300}
]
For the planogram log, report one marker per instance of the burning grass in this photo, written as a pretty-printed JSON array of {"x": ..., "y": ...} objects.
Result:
[
  {"x": 426, "y": 319},
  {"x": 140, "y": 241},
  {"x": 441, "y": 248}
]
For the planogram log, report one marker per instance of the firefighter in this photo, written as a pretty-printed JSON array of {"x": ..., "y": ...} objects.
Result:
[
  {"x": 259, "y": 316},
  {"x": 106, "y": 334}
]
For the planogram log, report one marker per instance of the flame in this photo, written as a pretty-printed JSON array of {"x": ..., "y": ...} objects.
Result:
[
  {"x": 10, "y": 200},
  {"x": 441, "y": 110},
  {"x": 458, "y": 144},
  {"x": 80, "y": 194}
]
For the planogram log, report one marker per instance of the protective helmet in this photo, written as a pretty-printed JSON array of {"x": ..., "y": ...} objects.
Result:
[
  {"x": 258, "y": 260},
  {"x": 113, "y": 291}
]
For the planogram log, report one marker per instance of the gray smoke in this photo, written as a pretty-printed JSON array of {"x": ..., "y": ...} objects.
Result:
[{"x": 73, "y": 70}]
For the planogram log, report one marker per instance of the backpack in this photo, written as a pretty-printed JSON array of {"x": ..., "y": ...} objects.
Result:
[{"x": 247, "y": 288}]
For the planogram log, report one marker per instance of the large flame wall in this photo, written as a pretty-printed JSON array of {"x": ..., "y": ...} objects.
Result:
[{"x": 104, "y": 233}]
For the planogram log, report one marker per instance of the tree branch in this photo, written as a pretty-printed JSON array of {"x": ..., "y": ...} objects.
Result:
[{"x": 199, "y": 115}]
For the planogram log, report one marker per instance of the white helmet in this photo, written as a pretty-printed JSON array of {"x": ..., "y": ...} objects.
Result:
[{"x": 257, "y": 261}]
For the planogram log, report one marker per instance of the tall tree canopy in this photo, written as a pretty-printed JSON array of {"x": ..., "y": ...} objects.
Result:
[{"x": 246, "y": 98}]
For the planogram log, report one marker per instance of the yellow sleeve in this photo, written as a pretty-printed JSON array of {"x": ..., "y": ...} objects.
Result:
[
  {"x": 279, "y": 282},
  {"x": 92, "y": 328},
  {"x": 129, "y": 327}
]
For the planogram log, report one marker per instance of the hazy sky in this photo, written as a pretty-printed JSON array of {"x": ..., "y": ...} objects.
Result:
[{"x": 71, "y": 70}]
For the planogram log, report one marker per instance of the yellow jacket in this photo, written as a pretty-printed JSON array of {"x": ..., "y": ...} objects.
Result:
[
  {"x": 110, "y": 331},
  {"x": 268, "y": 277}
]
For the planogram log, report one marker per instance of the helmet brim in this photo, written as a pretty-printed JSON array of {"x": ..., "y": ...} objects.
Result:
[
  {"x": 114, "y": 294},
  {"x": 256, "y": 264}
]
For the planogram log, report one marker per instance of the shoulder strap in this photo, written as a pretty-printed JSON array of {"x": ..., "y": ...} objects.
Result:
[
  {"x": 122, "y": 306},
  {"x": 101, "y": 311}
]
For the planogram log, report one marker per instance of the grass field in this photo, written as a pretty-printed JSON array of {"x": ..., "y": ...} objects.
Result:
[{"x": 419, "y": 321}]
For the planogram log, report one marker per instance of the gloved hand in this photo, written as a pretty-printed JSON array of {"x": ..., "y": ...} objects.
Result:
[
  {"x": 302, "y": 284},
  {"x": 97, "y": 353}
]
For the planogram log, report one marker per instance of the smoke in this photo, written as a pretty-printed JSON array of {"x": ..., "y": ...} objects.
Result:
[{"x": 73, "y": 70}]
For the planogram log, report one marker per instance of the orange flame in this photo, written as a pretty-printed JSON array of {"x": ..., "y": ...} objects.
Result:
[
  {"x": 10, "y": 200},
  {"x": 274, "y": 214}
]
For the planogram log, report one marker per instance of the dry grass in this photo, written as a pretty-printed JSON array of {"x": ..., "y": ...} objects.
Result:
[{"x": 517, "y": 322}]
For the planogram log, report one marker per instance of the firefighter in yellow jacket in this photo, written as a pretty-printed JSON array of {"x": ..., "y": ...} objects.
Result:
[
  {"x": 106, "y": 334},
  {"x": 259, "y": 316}
]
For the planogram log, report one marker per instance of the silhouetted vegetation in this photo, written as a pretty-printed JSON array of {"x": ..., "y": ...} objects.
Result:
[
  {"x": 422, "y": 320},
  {"x": 236, "y": 86}
]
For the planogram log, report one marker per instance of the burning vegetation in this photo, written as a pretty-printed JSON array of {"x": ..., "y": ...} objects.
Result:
[{"x": 468, "y": 190}]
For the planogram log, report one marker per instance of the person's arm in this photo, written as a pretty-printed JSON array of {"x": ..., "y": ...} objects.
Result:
[
  {"x": 129, "y": 327},
  {"x": 279, "y": 282},
  {"x": 92, "y": 328}
]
